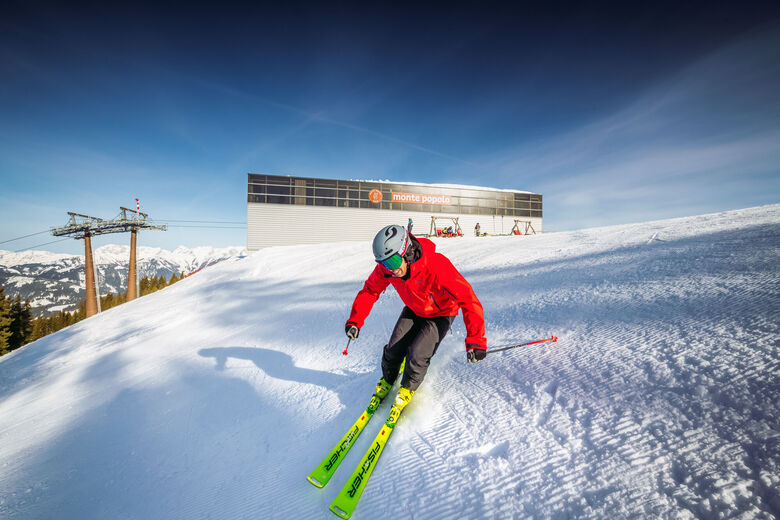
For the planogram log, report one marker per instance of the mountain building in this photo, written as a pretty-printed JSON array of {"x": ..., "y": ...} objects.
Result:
[{"x": 287, "y": 210}]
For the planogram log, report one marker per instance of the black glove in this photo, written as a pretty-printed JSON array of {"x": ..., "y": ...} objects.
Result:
[
  {"x": 352, "y": 330},
  {"x": 475, "y": 353}
]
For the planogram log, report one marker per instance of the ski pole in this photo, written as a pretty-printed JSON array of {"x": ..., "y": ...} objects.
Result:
[
  {"x": 552, "y": 338},
  {"x": 347, "y": 347}
]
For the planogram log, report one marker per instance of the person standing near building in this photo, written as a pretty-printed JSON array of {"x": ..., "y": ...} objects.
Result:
[
  {"x": 409, "y": 226},
  {"x": 477, "y": 229},
  {"x": 433, "y": 292}
]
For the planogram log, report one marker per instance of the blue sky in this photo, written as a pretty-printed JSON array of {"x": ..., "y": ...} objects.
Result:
[{"x": 615, "y": 113}]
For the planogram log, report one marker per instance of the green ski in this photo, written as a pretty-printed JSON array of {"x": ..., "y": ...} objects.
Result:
[
  {"x": 348, "y": 497},
  {"x": 322, "y": 473}
]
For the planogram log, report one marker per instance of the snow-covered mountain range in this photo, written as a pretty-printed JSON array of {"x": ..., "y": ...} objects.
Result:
[
  {"x": 216, "y": 396},
  {"x": 55, "y": 282}
]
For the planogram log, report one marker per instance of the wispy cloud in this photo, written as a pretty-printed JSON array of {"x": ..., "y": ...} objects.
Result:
[
  {"x": 322, "y": 118},
  {"x": 684, "y": 143}
]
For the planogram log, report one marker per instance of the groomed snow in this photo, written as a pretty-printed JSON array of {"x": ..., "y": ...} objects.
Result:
[{"x": 215, "y": 397}]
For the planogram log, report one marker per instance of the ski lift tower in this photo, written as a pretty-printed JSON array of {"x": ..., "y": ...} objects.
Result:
[
  {"x": 82, "y": 227},
  {"x": 86, "y": 227},
  {"x": 132, "y": 224}
]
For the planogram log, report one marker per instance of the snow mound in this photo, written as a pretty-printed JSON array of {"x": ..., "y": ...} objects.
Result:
[{"x": 215, "y": 397}]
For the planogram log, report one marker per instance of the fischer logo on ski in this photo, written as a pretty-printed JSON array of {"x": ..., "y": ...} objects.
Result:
[
  {"x": 370, "y": 458},
  {"x": 337, "y": 455}
]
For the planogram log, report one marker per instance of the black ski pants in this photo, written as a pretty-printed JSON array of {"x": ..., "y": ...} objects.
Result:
[{"x": 416, "y": 339}]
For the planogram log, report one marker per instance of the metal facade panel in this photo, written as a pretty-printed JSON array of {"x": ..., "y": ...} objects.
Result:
[{"x": 288, "y": 224}]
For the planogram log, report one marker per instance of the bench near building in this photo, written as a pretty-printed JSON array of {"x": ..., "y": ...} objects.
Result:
[{"x": 285, "y": 210}]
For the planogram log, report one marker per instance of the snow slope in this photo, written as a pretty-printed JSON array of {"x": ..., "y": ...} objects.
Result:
[{"x": 214, "y": 397}]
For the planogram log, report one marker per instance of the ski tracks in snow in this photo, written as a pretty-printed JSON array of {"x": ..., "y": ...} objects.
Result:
[{"x": 660, "y": 399}]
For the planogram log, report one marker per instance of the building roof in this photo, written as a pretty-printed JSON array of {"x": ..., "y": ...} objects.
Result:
[
  {"x": 387, "y": 181},
  {"x": 459, "y": 186}
]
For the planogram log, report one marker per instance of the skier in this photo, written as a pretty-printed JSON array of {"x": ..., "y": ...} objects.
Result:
[
  {"x": 477, "y": 229},
  {"x": 433, "y": 291}
]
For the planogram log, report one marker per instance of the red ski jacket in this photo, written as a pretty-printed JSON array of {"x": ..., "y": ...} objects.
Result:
[{"x": 434, "y": 288}]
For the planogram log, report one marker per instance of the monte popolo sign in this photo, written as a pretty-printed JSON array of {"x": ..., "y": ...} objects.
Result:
[{"x": 421, "y": 198}]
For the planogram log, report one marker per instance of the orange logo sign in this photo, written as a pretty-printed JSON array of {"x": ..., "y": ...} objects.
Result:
[{"x": 375, "y": 196}]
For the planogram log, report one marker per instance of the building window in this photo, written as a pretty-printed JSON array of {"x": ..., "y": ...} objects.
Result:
[{"x": 276, "y": 189}]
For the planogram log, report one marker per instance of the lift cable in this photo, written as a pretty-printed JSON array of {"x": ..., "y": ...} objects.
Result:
[
  {"x": 25, "y": 236},
  {"x": 40, "y": 245}
]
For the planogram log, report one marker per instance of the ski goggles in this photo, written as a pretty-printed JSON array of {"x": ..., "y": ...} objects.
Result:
[{"x": 393, "y": 262}]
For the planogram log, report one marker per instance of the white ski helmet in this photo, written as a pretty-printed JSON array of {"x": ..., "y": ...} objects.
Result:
[{"x": 390, "y": 245}]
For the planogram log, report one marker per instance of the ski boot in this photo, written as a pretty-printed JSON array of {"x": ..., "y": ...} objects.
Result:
[
  {"x": 401, "y": 400},
  {"x": 382, "y": 389}
]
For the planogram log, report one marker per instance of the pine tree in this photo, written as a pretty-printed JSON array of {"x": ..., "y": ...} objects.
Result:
[
  {"x": 20, "y": 323},
  {"x": 5, "y": 322},
  {"x": 80, "y": 313},
  {"x": 112, "y": 300},
  {"x": 40, "y": 327},
  {"x": 59, "y": 321},
  {"x": 37, "y": 329},
  {"x": 143, "y": 286},
  {"x": 27, "y": 319}
]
